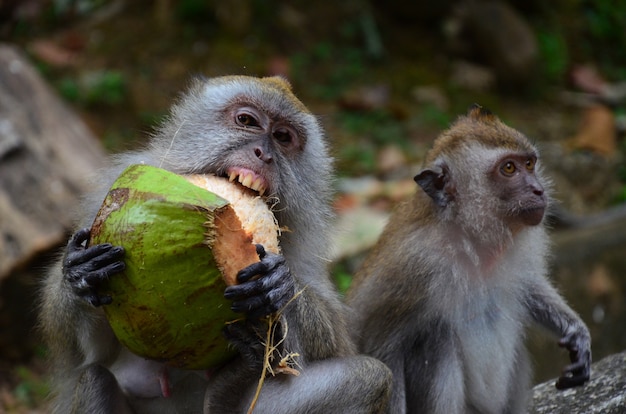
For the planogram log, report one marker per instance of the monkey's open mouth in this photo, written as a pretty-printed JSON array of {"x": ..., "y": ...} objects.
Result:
[{"x": 248, "y": 178}]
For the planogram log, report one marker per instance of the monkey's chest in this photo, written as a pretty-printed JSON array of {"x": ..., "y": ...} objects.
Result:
[{"x": 489, "y": 337}]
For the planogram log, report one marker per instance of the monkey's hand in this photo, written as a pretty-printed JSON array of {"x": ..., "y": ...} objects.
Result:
[
  {"x": 578, "y": 343},
  {"x": 248, "y": 338},
  {"x": 264, "y": 287},
  {"x": 85, "y": 268}
]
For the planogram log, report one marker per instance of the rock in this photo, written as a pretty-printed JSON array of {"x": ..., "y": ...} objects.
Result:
[
  {"x": 366, "y": 98},
  {"x": 597, "y": 131},
  {"x": 46, "y": 153},
  {"x": 431, "y": 95},
  {"x": 605, "y": 393},
  {"x": 472, "y": 77},
  {"x": 500, "y": 36}
]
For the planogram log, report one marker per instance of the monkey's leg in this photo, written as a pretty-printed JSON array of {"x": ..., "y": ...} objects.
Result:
[
  {"x": 356, "y": 384},
  {"x": 95, "y": 391},
  {"x": 434, "y": 376},
  {"x": 519, "y": 387}
]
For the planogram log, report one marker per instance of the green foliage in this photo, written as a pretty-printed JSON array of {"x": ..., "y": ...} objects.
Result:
[
  {"x": 554, "y": 54},
  {"x": 61, "y": 7},
  {"x": 342, "y": 278},
  {"x": 378, "y": 126},
  {"x": 432, "y": 115},
  {"x": 370, "y": 131},
  {"x": 69, "y": 89},
  {"x": 118, "y": 139},
  {"x": 195, "y": 11},
  {"x": 605, "y": 22},
  {"x": 106, "y": 87},
  {"x": 338, "y": 65},
  {"x": 356, "y": 159},
  {"x": 31, "y": 389}
]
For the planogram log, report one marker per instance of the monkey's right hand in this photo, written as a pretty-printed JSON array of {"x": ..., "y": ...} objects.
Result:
[
  {"x": 264, "y": 288},
  {"x": 578, "y": 343},
  {"x": 85, "y": 268}
]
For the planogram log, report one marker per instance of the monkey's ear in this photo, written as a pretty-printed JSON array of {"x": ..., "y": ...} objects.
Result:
[
  {"x": 478, "y": 112},
  {"x": 437, "y": 183}
]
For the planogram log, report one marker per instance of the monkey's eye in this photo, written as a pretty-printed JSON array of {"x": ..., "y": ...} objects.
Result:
[
  {"x": 508, "y": 168},
  {"x": 530, "y": 164},
  {"x": 282, "y": 135},
  {"x": 247, "y": 120}
]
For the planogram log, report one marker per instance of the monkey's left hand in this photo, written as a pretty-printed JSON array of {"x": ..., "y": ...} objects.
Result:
[
  {"x": 578, "y": 344},
  {"x": 264, "y": 287}
]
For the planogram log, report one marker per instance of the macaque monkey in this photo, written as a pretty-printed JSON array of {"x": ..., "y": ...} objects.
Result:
[
  {"x": 254, "y": 131},
  {"x": 459, "y": 272}
]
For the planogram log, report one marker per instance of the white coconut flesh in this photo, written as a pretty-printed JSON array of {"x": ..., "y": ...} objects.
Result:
[{"x": 254, "y": 216}]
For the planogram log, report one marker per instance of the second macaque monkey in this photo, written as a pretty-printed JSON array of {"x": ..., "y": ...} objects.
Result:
[{"x": 459, "y": 272}]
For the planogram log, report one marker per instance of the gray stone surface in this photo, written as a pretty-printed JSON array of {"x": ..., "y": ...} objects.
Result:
[{"x": 605, "y": 393}]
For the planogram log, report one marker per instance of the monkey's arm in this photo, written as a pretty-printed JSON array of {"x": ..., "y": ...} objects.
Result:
[
  {"x": 549, "y": 310},
  {"x": 68, "y": 314},
  {"x": 77, "y": 333}
]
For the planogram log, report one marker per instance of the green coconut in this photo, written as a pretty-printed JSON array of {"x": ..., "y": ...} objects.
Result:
[{"x": 184, "y": 244}]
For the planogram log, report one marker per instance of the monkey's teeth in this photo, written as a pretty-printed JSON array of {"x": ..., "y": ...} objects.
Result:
[
  {"x": 246, "y": 181},
  {"x": 257, "y": 184}
]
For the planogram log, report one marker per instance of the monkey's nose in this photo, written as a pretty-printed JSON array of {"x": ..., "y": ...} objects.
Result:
[
  {"x": 266, "y": 158},
  {"x": 537, "y": 190}
]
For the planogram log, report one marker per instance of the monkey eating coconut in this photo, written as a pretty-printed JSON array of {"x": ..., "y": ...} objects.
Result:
[{"x": 185, "y": 239}]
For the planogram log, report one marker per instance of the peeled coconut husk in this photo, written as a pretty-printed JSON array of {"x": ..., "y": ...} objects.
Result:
[{"x": 185, "y": 240}]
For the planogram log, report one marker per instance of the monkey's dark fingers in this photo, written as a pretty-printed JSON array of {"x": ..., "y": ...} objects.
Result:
[
  {"x": 568, "y": 341},
  {"x": 85, "y": 283},
  {"x": 576, "y": 373},
  {"x": 278, "y": 279},
  {"x": 260, "y": 251},
  {"x": 90, "y": 278},
  {"x": 268, "y": 263},
  {"x": 250, "y": 305},
  {"x": 566, "y": 382},
  {"x": 264, "y": 296},
  {"x": 578, "y": 368},
  {"x": 246, "y": 339},
  {"x": 579, "y": 347},
  {"x": 80, "y": 237},
  {"x": 95, "y": 300},
  {"x": 258, "y": 306},
  {"x": 98, "y": 254}
]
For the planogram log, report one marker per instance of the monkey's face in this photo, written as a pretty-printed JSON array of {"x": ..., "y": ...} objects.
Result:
[
  {"x": 252, "y": 131},
  {"x": 265, "y": 142},
  {"x": 521, "y": 195}
]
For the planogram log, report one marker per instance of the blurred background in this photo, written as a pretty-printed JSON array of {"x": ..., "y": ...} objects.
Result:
[{"x": 384, "y": 77}]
